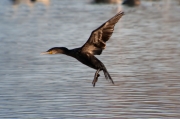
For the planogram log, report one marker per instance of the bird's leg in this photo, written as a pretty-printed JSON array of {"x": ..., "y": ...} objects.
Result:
[
  {"x": 95, "y": 80},
  {"x": 96, "y": 77}
]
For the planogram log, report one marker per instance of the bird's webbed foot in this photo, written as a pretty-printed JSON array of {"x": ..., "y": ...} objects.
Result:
[{"x": 96, "y": 77}]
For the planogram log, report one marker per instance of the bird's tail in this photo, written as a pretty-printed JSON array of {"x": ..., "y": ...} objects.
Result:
[{"x": 107, "y": 75}]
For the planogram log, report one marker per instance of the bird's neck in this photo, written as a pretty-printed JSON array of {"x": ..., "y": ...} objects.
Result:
[
  {"x": 66, "y": 52},
  {"x": 72, "y": 52}
]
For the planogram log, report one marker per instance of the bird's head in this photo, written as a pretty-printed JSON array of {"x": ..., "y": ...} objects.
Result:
[{"x": 56, "y": 50}]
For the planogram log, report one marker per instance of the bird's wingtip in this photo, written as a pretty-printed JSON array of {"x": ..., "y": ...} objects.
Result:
[{"x": 121, "y": 12}]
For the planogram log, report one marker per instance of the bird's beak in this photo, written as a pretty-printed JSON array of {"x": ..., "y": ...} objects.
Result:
[{"x": 44, "y": 53}]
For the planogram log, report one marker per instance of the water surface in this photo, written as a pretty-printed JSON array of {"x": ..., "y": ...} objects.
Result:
[{"x": 142, "y": 57}]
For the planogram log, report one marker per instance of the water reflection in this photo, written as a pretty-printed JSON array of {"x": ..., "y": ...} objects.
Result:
[{"x": 30, "y": 2}]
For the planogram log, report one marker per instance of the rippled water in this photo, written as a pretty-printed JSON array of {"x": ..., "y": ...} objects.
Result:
[{"x": 142, "y": 57}]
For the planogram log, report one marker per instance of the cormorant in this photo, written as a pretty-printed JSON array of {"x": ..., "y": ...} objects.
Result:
[{"x": 94, "y": 46}]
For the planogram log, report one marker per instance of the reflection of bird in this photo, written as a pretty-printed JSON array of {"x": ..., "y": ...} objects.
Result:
[{"x": 94, "y": 46}]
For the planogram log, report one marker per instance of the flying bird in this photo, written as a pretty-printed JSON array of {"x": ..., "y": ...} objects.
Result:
[{"x": 93, "y": 46}]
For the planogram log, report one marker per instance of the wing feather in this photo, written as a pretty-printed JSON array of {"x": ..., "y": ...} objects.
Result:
[{"x": 97, "y": 40}]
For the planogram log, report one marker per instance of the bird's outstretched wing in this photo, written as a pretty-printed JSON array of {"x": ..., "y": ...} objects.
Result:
[{"x": 97, "y": 40}]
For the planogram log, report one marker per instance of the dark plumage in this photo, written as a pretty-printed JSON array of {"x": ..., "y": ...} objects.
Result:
[{"x": 94, "y": 46}]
